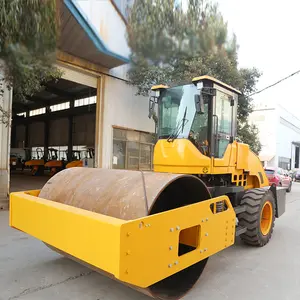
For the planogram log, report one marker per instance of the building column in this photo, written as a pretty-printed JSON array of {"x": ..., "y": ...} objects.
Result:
[
  {"x": 297, "y": 158},
  {"x": 5, "y": 133},
  {"x": 99, "y": 121},
  {"x": 13, "y": 136},
  {"x": 70, "y": 133},
  {"x": 26, "y": 142},
  {"x": 46, "y": 134}
]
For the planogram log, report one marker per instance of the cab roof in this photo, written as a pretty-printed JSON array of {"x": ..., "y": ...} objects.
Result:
[
  {"x": 206, "y": 77},
  {"x": 159, "y": 86},
  {"x": 201, "y": 78}
]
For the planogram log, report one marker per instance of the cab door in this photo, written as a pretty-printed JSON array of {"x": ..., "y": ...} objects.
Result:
[{"x": 224, "y": 120}]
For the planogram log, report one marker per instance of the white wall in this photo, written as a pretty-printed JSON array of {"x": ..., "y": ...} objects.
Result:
[
  {"x": 278, "y": 129},
  {"x": 81, "y": 77},
  {"x": 273, "y": 162},
  {"x": 288, "y": 132},
  {"x": 266, "y": 119},
  {"x": 6, "y": 103},
  {"x": 122, "y": 108}
]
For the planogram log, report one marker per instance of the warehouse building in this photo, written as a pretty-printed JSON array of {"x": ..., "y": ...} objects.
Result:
[
  {"x": 279, "y": 133},
  {"x": 92, "y": 105}
]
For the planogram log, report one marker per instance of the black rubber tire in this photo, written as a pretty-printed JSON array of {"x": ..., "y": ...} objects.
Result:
[
  {"x": 254, "y": 201},
  {"x": 289, "y": 188}
]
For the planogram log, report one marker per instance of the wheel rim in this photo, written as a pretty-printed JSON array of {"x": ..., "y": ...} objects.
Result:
[{"x": 266, "y": 218}]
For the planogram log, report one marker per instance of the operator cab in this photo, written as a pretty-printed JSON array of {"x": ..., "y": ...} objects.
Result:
[{"x": 205, "y": 112}]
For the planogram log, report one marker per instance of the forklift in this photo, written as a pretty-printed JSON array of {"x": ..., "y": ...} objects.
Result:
[
  {"x": 54, "y": 164},
  {"x": 37, "y": 165}
]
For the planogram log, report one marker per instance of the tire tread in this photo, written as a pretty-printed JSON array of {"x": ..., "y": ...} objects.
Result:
[{"x": 250, "y": 219}]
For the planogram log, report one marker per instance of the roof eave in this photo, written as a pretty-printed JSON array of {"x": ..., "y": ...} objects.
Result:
[{"x": 113, "y": 59}]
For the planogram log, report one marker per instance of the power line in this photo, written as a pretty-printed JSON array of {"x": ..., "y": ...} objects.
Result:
[{"x": 279, "y": 81}]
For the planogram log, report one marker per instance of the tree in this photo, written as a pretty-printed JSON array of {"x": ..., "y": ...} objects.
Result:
[
  {"x": 171, "y": 45},
  {"x": 249, "y": 134},
  {"x": 28, "y": 36}
]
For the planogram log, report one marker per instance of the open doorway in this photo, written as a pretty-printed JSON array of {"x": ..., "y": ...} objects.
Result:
[{"x": 56, "y": 124}]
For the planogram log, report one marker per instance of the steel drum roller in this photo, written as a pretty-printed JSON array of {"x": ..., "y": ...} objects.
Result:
[{"x": 129, "y": 195}]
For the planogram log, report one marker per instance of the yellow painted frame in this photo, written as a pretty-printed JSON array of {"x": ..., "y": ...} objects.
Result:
[
  {"x": 126, "y": 249},
  {"x": 159, "y": 87},
  {"x": 206, "y": 77},
  {"x": 35, "y": 162}
]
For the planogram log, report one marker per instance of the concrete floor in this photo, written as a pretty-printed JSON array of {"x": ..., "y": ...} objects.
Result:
[
  {"x": 22, "y": 181},
  {"x": 30, "y": 271}
]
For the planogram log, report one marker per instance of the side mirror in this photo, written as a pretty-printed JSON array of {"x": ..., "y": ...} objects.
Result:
[{"x": 199, "y": 104}]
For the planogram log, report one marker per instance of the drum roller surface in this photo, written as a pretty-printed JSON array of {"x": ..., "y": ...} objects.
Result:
[{"x": 129, "y": 195}]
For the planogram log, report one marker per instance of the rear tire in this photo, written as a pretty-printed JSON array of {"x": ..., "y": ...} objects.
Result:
[
  {"x": 289, "y": 188},
  {"x": 259, "y": 217}
]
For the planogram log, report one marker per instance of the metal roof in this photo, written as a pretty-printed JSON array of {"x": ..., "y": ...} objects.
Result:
[
  {"x": 78, "y": 37},
  {"x": 54, "y": 92}
]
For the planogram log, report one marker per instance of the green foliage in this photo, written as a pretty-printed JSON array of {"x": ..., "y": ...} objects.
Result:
[
  {"x": 28, "y": 36},
  {"x": 248, "y": 135},
  {"x": 161, "y": 34},
  {"x": 171, "y": 46}
]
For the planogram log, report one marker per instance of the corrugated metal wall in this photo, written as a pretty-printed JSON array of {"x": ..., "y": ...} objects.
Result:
[
  {"x": 36, "y": 134},
  {"x": 84, "y": 130},
  {"x": 58, "y": 132},
  {"x": 20, "y": 136}
]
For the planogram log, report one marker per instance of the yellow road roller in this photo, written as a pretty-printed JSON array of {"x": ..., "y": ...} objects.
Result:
[{"x": 155, "y": 231}]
